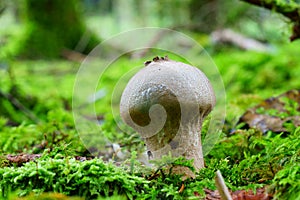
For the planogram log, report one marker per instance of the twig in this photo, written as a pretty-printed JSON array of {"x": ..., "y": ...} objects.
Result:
[
  {"x": 72, "y": 55},
  {"x": 14, "y": 101},
  {"x": 229, "y": 36},
  {"x": 222, "y": 188}
]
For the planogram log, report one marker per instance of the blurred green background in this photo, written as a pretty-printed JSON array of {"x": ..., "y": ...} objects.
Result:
[
  {"x": 42, "y": 46},
  {"x": 34, "y": 29}
]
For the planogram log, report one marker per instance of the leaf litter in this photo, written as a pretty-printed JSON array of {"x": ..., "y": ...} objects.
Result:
[{"x": 274, "y": 113}]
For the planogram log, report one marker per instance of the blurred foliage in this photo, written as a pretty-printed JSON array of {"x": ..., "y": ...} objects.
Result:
[
  {"x": 289, "y": 9},
  {"x": 209, "y": 15},
  {"x": 44, "y": 33},
  {"x": 48, "y": 28},
  {"x": 21, "y": 102}
]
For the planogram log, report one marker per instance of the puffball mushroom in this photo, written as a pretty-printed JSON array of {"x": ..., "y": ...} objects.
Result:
[{"x": 166, "y": 103}]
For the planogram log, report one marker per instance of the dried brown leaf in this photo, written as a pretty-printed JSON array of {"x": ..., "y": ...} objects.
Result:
[
  {"x": 265, "y": 122},
  {"x": 260, "y": 194},
  {"x": 22, "y": 158}
]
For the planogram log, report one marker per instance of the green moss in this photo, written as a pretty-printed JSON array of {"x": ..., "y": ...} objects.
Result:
[{"x": 71, "y": 177}]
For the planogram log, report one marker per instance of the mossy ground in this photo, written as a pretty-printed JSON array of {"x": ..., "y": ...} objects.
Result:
[{"x": 247, "y": 159}]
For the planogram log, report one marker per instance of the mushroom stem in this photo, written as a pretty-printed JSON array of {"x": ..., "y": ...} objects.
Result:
[
  {"x": 194, "y": 145},
  {"x": 187, "y": 143}
]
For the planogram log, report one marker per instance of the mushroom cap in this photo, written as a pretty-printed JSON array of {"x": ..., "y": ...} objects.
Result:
[{"x": 182, "y": 90}]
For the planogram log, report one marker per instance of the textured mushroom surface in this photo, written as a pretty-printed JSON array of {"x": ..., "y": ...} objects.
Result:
[{"x": 166, "y": 102}]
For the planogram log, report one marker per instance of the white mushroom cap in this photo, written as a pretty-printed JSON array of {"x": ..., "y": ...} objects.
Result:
[{"x": 166, "y": 102}]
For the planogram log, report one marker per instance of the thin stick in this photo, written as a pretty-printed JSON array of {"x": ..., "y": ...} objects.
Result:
[
  {"x": 222, "y": 188},
  {"x": 14, "y": 101}
]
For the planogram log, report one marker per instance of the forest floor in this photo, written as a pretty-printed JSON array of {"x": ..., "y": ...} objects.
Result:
[{"x": 43, "y": 153}]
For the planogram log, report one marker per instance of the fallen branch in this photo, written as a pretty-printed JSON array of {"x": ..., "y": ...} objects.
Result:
[
  {"x": 236, "y": 39},
  {"x": 289, "y": 10},
  {"x": 72, "y": 55},
  {"x": 17, "y": 104}
]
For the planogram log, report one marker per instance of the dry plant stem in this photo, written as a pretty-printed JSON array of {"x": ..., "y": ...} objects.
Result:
[{"x": 222, "y": 188}]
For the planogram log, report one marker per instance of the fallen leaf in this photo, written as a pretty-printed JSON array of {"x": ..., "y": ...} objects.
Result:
[
  {"x": 260, "y": 194},
  {"x": 22, "y": 158},
  {"x": 249, "y": 195},
  {"x": 273, "y": 113}
]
